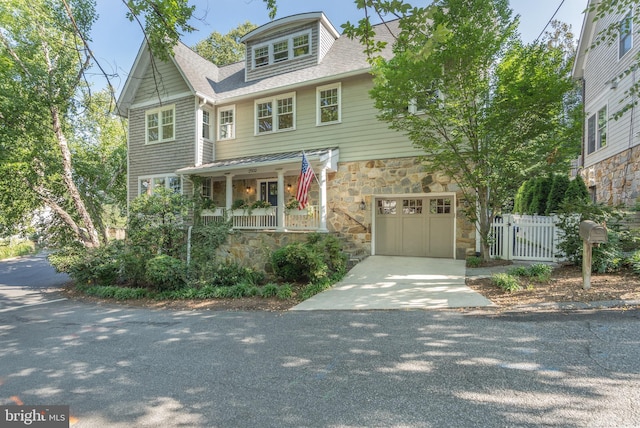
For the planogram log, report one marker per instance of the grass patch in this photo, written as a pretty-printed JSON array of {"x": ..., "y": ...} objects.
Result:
[{"x": 23, "y": 248}]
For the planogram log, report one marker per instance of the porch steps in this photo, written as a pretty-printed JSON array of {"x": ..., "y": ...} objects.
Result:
[{"x": 354, "y": 254}]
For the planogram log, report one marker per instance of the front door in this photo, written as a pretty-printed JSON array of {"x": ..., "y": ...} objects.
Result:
[{"x": 269, "y": 192}]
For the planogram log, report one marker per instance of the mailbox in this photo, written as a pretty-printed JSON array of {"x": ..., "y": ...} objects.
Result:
[{"x": 593, "y": 232}]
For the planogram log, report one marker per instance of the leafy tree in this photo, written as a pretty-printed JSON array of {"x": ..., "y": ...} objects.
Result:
[
  {"x": 224, "y": 49},
  {"x": 486, "y": 109}
]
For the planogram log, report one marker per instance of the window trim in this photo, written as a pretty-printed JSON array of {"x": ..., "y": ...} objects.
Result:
[
  {"x": 599, "y": 130},
  {"x": 270, "y": 45},
  {"x": 166, "y": 177},
  {"x": 628, "y": 18},
  {"x": 319, "y": 89},
  {"x": 159, "y": 111},
  {"x": 232, "y": 132},
  {"x": 274, "y": 113}
]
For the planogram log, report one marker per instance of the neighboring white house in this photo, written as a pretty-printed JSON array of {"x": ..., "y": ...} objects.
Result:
[
  {"x": 610, "y": 158},
  {"x": 242, "y": 128}
]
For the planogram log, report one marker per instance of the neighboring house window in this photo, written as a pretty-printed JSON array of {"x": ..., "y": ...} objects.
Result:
[
  {"x": 597, "y": 130},
  {"x": 275, "y": 114},
  {"x": 328, "y": 104},
  {"x": 282, "y": 49},
  {"x": 160, "y": 124},
  {"x": 625, "y": 35},
  {"x": 206, "y": 124},
  {"x": 147, "y": 185},
  {"x": 226, "y": 123}
]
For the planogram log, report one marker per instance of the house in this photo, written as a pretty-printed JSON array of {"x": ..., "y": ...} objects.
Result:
[
  {"x": 238, "y": 132},
  {"x": 610, "y": 161}
]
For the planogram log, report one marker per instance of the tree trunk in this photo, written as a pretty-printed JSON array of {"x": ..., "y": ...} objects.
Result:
[
  {"x": 484, "y": 224},
  {"x": 91, "y": 239}
]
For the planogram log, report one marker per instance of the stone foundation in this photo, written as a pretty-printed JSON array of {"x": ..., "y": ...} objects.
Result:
[{"x": 616, "y": 180}]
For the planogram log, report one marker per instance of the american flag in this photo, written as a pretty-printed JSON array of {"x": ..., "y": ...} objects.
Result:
[{"x": 304, "y": 181}]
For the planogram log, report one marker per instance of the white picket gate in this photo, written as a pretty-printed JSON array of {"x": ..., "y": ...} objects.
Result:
[{"x": 524, "y": 237}]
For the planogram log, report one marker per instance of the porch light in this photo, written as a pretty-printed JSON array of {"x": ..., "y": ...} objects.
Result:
[
  {"x": 289, "y": 187},
  {"x": 248, "y": 189},
  {"x": 363, "y": 205}
]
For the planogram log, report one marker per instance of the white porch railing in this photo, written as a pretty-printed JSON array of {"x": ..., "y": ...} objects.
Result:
[
  {"x": 266, "y": 218},
  {"x": 524, "y": 237}
]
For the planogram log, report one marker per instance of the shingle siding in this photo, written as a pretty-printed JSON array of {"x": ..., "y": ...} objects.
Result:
[
  {"x": 160, "y": 82},
  {"x": 601, "y": 66},
  {"x": 284, "y": 66},
  {"x": 161, "y": 158}
]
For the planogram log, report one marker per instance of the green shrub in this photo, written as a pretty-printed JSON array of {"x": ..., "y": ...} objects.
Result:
[
  {"x": 518, "y": 271},
  {"x": 505, "y": 281},
  {"x": 607, "y": 257},
  {"x": 18, "y": 249},
  {"x": 298, "y": 262},
  {"x": 540, "y": 272},
  {"x": 98, "y": 266},
  {"x": 269, "y": 290},
  {"x": 166, "y": 273},
  {"x": 312, "y": 289},
  {"x": 205, "y": 239},
  {"x": 634, "y": 262},
  {"x": 284, "y": 292},
  {"x": 115, "y": 292},
  {"x": 474, "y": 261},
  {"x": 330, "y": 248}
]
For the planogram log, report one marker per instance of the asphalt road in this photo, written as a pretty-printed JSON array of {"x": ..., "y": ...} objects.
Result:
[
  {"x": 27, "y": 281},
  {"x": 124, "y": 367}
]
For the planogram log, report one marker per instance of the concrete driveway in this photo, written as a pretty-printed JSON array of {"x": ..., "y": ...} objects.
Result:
[{"x": 388, "y": 282}]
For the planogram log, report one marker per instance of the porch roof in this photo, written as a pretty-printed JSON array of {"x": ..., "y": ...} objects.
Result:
[{"x": 268, "y": 164}]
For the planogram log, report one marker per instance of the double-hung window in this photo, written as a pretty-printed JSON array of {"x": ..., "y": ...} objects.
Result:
[
  {"x": 226, "y": 123},
  {"x": 597, "y": 130},
  {"x": 625, "y": 35},
  {"x": 328, "y": 104},
  {"x": 275, "y": 114},
  {"x": 282, "y": 49},
  {"x": 206, "y": 124},
  {"x": 160, "y": 124},
  {"x": 148, "y": 185}
]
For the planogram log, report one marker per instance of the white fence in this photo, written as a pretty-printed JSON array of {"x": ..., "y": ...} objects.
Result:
[
  {"x": 524, "y": 237},
  {"x": 267, "y": 218}
]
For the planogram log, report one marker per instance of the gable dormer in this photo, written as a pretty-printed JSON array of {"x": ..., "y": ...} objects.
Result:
[{"x": 288, "y": 44}]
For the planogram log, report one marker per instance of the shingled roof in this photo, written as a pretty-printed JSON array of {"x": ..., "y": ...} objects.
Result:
[{"x": 223, "y": 84}]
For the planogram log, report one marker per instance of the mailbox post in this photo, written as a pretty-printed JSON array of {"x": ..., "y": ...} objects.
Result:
[{"x": 591, "y": 233}]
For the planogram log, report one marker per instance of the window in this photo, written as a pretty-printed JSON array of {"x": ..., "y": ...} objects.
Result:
[
  {"x": 207, "y": 187},
  {"x": 412, "y": 206},
  {"x": 206, "y": 124},
  {"x": 387, "y": 207},
  {"x": 328, "y": 99},
  {"x": 160, "y": 124},
  {"x": 261, "y": 56},
  {"x": 301, "y": 45},
  {"x": 440, "y": 206},
  {"x": 280, "y": 119},
  {"x": 625, "y": 35},
  {"x": 147, "y": 185},
  {"x": 597, "y": 130},
  {"x": 283, "y": 49},
  {"x": 226, "y": 123}
]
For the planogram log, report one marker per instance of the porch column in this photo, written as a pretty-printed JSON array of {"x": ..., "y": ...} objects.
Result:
[
  {"x": 229, "y": 195},
  {"x": 323, "y": 200},
  {"x": 280, "y": 209}
]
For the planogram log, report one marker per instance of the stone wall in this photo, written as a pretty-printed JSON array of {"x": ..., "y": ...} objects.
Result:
[
  {"x": 353, "y": 183},
  {"x": 616, "y": 180}
]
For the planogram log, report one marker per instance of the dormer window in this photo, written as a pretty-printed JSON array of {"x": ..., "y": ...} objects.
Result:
[{"x": 282, "y": 49}]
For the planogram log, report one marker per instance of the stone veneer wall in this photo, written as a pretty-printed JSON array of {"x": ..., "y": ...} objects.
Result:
[
  {"x": 352, "y": 183},
  {"x": 361, "y": 181},
  {"x": 616, "y": 179}
]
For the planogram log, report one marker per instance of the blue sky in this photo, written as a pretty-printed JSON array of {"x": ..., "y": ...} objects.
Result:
[{"x": 116, "y": 40}]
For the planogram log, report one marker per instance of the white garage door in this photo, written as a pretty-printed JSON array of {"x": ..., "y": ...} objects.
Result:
[{"x": 415, "y": 226}]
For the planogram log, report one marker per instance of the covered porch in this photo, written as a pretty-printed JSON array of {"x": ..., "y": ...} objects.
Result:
[{"x": 258, "y": 192}]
